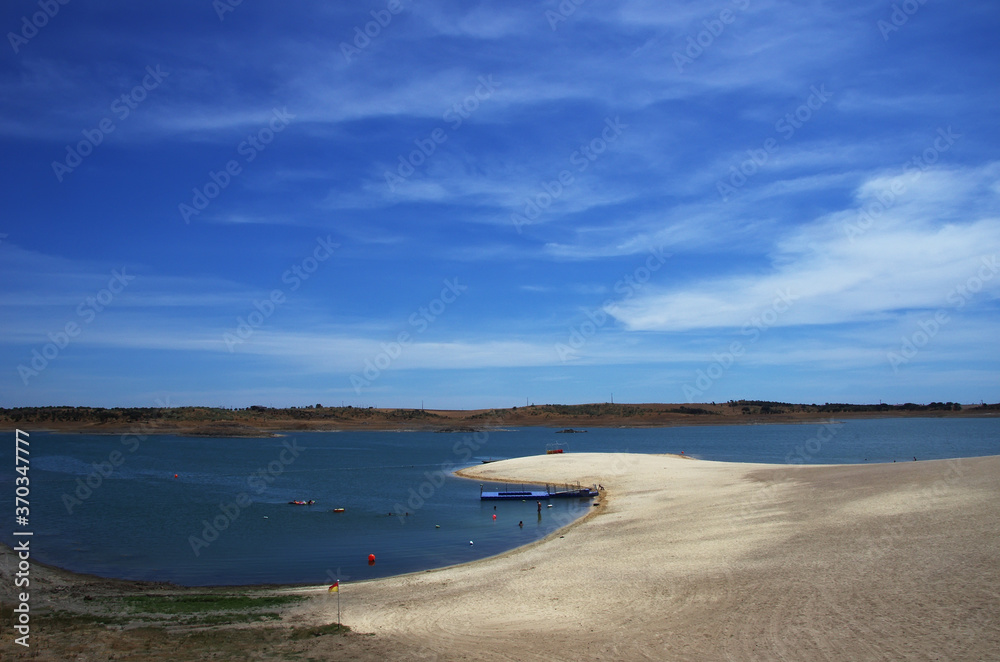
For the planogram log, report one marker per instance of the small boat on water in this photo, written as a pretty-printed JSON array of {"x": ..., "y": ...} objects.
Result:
[
  {"x": 338, "y": 510},
  {"x": 299, "y": 502}
]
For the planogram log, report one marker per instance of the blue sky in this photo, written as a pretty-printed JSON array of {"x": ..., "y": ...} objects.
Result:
[{"x": 472, "y": 204}]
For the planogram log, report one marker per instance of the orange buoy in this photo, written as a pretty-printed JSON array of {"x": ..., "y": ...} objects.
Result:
[
  {"x": 371, "y": 559},
  {"x": 175, "y": 475}
]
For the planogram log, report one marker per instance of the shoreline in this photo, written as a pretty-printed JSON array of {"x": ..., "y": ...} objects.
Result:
[
  {"x": 471, "y": 472},
  {"x": 714, "y": 550},
  {"x": 683, "y": 559},
  {"x": 144, "y": 584},
  {"x": 284, "y": 428},
  {"x": 260, "y": 421}
]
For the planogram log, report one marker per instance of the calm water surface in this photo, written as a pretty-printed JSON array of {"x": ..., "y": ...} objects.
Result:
[{"x": 140, "y": 522}]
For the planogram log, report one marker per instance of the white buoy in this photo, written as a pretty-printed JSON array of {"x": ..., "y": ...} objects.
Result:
[{"x": 470, "y": 542}]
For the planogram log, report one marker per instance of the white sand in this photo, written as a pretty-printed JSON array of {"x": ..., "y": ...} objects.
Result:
[{"x": 694, "y": 560}]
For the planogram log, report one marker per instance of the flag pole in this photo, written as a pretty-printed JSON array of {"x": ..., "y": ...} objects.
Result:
[{"x": 336, "y": 589}]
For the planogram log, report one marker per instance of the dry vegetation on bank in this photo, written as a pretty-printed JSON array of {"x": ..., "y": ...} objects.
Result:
[{"x": 264, "y": 421}]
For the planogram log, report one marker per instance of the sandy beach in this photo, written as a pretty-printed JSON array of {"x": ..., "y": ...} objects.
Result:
[
  {"x": 694, "y": 560},
  {"x": 681, "y": 560}
]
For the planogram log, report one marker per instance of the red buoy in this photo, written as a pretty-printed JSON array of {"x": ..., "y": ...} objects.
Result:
[
  {"x": 371, "y": 559},
  {"x": 494, "y": 517}
]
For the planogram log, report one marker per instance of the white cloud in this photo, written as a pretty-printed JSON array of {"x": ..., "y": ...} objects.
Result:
[{"x": 829, "y": 274}]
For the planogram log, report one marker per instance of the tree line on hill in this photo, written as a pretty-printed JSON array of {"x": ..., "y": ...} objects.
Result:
[
  {"x": 260, "y": 413},
  {"x": 766, "y": 407}
]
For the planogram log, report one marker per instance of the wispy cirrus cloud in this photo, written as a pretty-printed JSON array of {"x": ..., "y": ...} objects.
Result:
[{"x": 908, "y": 260}]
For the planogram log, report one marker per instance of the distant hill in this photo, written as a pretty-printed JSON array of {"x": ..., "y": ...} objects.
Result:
[{"x": 263, "y": 421}]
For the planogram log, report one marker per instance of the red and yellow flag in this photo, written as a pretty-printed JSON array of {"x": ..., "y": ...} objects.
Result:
[{"x": 336, "y": 587}]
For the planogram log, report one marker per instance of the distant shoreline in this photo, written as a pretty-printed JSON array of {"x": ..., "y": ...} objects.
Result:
[{"x": 263, "y": 422}]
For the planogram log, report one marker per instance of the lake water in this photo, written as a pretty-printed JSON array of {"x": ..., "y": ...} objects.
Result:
[{"x": 225, "y": 518}]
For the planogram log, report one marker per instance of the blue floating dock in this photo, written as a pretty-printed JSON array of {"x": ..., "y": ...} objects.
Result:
[
  {"x": 526, "y": 494},
  {"x": 538, "y": 495}
]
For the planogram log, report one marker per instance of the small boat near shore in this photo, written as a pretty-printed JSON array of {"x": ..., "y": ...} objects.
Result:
[{"x": 299, "y": 502}]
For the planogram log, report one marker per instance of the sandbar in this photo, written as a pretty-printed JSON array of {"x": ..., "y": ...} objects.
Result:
[{"x": 696, "y": 560}]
